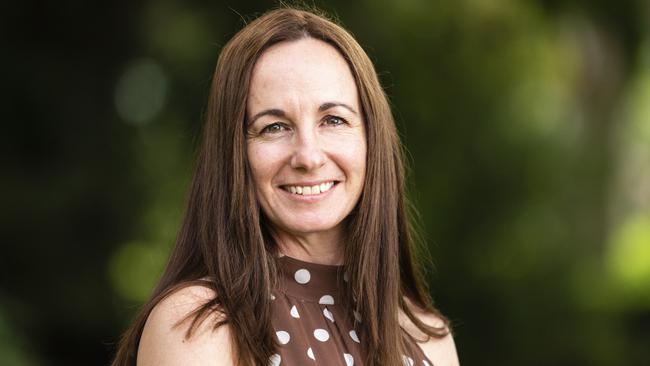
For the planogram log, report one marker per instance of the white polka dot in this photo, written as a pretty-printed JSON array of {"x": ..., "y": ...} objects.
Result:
[
  {"x": 321, "y": 335},
  {"x": 328, "y": 314},
  {"x": 283, "y": 337},
  {"x": 294, "y": 312},
  {"x": 357, "y": 316},
  {"x": 302, "y": 276},
  {"x": 272, "y": 297},
  {"x": 425, "y": 363},
  {"x": 275, "y": 360},
  {"x": 354, "y": 337},
  {"x": 310, "y": 354},
  {"x": 349, "y": 360},
  {"x": 327, "y": 300}
]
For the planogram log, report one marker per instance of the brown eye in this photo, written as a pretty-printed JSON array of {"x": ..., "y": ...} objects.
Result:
[
  {"x": 334, "y": 120},
  {"x": 273, "y": 128}
]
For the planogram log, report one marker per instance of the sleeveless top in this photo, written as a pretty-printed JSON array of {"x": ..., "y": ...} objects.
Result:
[{"x": 312, "y": 326}]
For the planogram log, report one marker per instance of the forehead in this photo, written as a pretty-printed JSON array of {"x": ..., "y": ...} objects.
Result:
[{"x": 306, "y": 68}]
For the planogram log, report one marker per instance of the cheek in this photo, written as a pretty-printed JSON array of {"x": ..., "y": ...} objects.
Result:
[
  {"x": 264, "y": 162},
  {"x": 351, "y": 152},
  {"x": 354, "y": 153},
  {"x": 361, "y": 154},
  {"x": 256, "y": 162}
]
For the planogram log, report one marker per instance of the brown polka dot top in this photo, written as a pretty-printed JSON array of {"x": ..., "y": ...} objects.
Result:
[{"x": 312, "y": 327}]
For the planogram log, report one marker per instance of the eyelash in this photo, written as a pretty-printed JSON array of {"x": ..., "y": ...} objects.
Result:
[
  {"x": 267, "y": 129},
  {"x": 343, "y": 121}
]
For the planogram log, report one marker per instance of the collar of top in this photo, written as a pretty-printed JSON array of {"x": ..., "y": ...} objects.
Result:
[{"x": 311, "y": 282}]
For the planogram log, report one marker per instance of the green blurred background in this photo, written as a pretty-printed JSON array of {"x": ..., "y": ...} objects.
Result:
[{"x": 528, "y": 130}]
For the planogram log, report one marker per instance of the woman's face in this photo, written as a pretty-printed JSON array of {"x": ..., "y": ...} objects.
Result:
[{"x": 306, "y": 137}]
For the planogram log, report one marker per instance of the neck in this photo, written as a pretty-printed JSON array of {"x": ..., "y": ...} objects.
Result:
[{"x": 320, "y": 247}]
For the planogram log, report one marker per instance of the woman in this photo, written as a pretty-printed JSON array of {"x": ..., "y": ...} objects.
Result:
[{"x": 296, "y": 246}]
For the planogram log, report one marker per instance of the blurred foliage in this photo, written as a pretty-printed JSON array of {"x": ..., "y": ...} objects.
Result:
[
  {"x": 528, "y": 130},
  {"x": 630, "y": 257},
  {"x": 12, "y": 348}
]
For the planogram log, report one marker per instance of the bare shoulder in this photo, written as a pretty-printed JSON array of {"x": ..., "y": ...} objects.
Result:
[
  {"x": 442, "y": 351},
  {"x": 163, "y": 343}
]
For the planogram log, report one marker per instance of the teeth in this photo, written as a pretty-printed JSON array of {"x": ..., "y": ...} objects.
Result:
[{"x": 310, "y": 190}]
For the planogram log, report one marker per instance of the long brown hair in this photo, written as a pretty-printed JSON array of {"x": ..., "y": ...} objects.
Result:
[{"x": 223, "y": 235}]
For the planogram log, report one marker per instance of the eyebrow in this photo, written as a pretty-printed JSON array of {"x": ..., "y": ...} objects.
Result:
[
  {"x": 276, "y": 112},
  {"x": 328, "y": 105}
]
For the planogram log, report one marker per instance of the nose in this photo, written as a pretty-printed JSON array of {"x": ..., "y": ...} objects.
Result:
[{"x": 308, "y": 153}]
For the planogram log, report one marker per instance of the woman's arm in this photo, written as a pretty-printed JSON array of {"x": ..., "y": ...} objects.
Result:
[
  {"x": 162, "y": 344},
  {"x": 441, "y": 351}
]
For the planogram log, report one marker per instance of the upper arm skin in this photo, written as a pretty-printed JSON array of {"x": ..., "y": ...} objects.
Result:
[
  {"x": 162, "y": 344},
  {"x": 441, "y": 351}
]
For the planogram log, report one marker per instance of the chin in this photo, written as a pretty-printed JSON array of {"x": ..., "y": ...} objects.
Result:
[{"x": 311, "y": 226}]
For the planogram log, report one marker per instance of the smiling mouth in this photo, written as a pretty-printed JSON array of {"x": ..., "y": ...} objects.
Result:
[{"x": 310, "y": 190}]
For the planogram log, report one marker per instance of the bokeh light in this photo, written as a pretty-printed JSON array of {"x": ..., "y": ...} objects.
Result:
[
  {"x": 134, "y": 269},
  {"x": 140, "y": 92}
]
